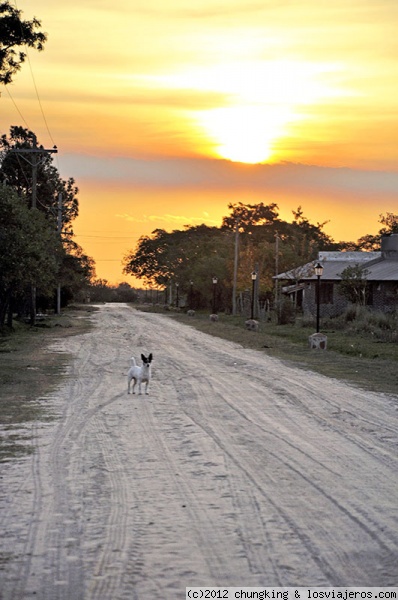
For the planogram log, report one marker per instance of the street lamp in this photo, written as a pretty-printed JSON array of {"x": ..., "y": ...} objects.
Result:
[
  {"x": 254, "y": 277},
  {"x": 177, "y": 299},
  {"x": 318, "y": 272},
  {"x": 215, "y": 280}
]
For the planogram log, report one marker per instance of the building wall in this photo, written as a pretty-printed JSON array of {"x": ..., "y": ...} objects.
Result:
[
  {"x": 334, "y": 305},
  {"x": 383, "y": 297}
]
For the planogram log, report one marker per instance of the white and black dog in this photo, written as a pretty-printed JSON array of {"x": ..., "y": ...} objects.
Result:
[{"x": 139, "y": 374}]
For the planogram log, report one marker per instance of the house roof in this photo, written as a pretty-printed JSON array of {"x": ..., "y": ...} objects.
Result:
[
  {"x": 377, "y": 267},
  {"x": 383, "y": 270},
  {"x": 352, "y": 257}
]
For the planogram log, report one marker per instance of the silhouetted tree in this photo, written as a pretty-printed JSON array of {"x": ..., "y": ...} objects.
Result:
[
  {"x": 30, "y": 251},
  {"x": 197, "y": 253},
  {"x": 74, "y": 269},
  {"x": 17, "y": 173},
  {"x": 370, "y": 242},
  {"x": 15, "y": 33}
]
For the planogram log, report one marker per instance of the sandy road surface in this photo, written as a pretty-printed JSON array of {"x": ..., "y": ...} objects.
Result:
[{"x": 234, "y": 471}]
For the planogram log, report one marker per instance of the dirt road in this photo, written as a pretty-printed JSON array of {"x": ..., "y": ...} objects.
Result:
[{"x": 235, "y": 470}]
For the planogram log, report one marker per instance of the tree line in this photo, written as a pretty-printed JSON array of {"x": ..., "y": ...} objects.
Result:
[
  {"x": 251, "y": 238},
  {"x": 37, "y": 206},
  {"x": 37, "y": 250}
]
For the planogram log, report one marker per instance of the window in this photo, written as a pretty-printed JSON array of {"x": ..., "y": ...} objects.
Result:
[{"x": 326, "y": 292}]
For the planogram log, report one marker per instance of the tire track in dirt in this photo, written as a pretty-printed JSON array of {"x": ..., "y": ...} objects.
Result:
[
  {"x": 106, "y": 576},
  {"x": 54, "y": 534},
  {"x": 235, "y": 470},
  {"x": 57, "y": 541},
  {"x": 361, "y": 419},
  {"x": 297, "y": 465},
  {"x": 201, "y": 394},
  {"x": 252, "y": 524},
  {"x": 203, "y": 519},
  {"x": 101, "y": 575},
  {"x": 231, "y": 443},
  {"x": 377, "y": 532},
  {"x": 368, "y": 522}
]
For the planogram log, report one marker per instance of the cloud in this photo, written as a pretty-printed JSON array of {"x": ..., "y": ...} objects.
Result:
[{"x": 183, "y": 173}]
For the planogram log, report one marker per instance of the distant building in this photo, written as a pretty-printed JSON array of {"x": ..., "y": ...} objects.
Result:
[{"x": 380, "y": 270}]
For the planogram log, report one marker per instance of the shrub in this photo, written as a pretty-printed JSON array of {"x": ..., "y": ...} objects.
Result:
[{"x": 285, "y": 311}]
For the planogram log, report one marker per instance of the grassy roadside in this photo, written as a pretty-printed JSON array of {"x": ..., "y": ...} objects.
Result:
[
  {"x": 357, "y": 359},
  {"x": 28, "y": 372}
]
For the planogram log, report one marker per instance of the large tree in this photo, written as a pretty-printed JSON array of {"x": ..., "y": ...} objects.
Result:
[
  {"x": 30, "y": 252},
  {"x": 250, "y": 216},
  {"x": 194, "y": 254},
  {"x": 15, "y": 34},
  {"x": 75, "y": 270},
  {"x": 268, "y": 243},
  {"x": 16, "y": 170},
  {"x": 197, "y": 253},
  {"x": 370, "y": 242}
]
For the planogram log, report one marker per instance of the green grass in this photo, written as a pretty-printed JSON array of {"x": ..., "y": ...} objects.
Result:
[{"x": 353, "y": 357}]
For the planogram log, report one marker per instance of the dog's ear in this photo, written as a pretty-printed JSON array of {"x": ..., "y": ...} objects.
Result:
[
  {"x": 150, "y": 357},
  {"x": 143, "y": 358}
]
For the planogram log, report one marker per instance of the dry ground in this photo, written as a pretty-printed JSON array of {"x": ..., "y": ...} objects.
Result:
[
  {"x": 29, "y": 371},
  {"x": 235, "y": 470}
]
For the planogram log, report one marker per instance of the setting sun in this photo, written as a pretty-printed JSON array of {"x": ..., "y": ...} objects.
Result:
[
  {"x": 256, "y": 101},
  {"x": 178, "y": 109},
  {"x": 245, "y": 133}
]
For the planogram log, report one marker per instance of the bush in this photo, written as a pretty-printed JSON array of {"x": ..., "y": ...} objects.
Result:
[
  {"x": 361, "y": 320},
  {"x": 285, "y": 312},
  {"x": 351, "y": 313}
]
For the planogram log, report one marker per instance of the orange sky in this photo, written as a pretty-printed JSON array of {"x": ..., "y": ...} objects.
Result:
[{"x": 160, "y": 107}]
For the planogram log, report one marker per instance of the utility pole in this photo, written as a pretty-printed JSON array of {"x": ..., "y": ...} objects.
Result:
[
  {"x": 235, "y": 267},
  {"x": 256, "y": 289},
  {"x": 38, "y": 155},
  {"x": 59, "y": 231},
  {"x": 276, "y": 269}
]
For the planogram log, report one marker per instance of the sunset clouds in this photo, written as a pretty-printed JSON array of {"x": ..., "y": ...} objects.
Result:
[{"x": 153, "y": 104}]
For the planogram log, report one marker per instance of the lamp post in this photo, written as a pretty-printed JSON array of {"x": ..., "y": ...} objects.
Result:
[
  {"x": 215, "y": 280},
  {"x": 318, "y": 272},
  {"x": 177, "y": 299},
  {"x": 254, "y": 277}
]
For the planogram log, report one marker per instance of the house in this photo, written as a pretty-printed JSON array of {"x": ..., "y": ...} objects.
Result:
[{"x": 380, "y": 271}]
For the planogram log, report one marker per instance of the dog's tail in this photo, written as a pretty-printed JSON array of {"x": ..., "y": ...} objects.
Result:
[{"x": 133, "y": 363}]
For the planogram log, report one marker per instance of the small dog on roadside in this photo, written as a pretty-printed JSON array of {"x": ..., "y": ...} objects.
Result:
[{"x": 140, "y": 374}]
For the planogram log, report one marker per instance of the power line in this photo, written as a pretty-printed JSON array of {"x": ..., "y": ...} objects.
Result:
[
  {"x": 36, "y": 90},
  {"x": 37, "y": 157},
  {"x": 38, "y": 98},
  {"x": 16, "y": 107}
]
